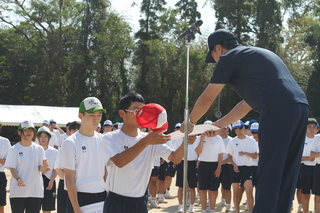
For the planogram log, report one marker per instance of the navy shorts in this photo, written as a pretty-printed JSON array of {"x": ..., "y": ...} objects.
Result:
[
  {"x": 191, "y": 176},
  {"x": 241, "y": 177},
  {"x": 306, "y": 176},
  {"x": 48, "y": 202},
  {"x": 25, "y": 204},
  {"x": 162, "y": 171},
  {"x": 3, "y": 191},
  {"x": 155, "y": 171},
  {"x": 62, "y": 197},
  {"x": 316, "y": 182},
  {"x": 86, "y": 199},
  {"x": 225, "y": 176},
  {"x": 298, "y": 186},
  {"x": 171, "y": 171},
  {"x": 254, "y": 175},
  {"x": 206, "y": 178},
  {"x": 115, "y": 203}
]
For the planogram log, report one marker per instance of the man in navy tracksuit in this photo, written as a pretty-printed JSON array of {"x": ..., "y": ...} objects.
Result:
[{"x": 265, "y": 84}]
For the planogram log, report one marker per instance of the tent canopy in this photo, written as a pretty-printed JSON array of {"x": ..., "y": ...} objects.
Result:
[{"x": 15, "y": 114}]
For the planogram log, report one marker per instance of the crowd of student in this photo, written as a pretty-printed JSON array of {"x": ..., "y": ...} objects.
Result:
[{"x": 118, "y": 169}]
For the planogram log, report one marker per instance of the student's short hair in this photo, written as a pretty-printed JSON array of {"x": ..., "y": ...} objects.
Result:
[
  {"x": 74, "y": 125},
  {"x": 128, "y": 99},
  {"x": 227, "y": 44},
  {"x": 312, "y": 121}
]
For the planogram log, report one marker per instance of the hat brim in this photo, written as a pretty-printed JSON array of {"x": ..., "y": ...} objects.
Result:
[
  {"x": 93, "y": 110},
  {"x": 27, "y": 127},
  {"x": 236, "y": 127},
  {"x": 209, "y": 58},
  {"x": 39, "y": 132}
]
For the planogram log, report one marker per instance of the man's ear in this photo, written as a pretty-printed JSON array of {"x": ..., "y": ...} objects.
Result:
[{"x": 80, "y": 115}]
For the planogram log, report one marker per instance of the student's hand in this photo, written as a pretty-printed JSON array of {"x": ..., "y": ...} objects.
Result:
[
  {"x": 174, "y": 165},
  {"x": 217, "y": 172},
  {"x": 241, "y": 153},
  {"x": 235, "y": 169},
  {"x": 20, "y": 182},
  {"x": 157, "y": 138},
  {"x": 50, "y": 185},
  {"x": 191, "y": 139}
]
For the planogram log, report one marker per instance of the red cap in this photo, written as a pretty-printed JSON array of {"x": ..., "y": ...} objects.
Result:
[{"x": 152, "y": 116}]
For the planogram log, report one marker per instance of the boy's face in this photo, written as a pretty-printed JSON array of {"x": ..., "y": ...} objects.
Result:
[
  {"x": 224, "y": 132},
  {"x": 91, "y": 120},
  {"x": 240, "y": 132},
  {"x": 312, "y": 129},
  {"x": 130, "y": 117}
]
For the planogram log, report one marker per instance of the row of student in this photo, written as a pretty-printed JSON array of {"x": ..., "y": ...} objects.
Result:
[
  {"x": 130, "y": 152},
  {"x": 209, "y": 165}
]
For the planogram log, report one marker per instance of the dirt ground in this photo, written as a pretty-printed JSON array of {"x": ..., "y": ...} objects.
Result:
[{"x": 172, "y": 205}]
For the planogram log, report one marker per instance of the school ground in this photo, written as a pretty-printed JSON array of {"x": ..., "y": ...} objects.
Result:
[{"x": 172, "y": 205}]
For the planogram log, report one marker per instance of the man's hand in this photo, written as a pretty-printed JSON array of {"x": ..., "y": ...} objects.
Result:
[
  {"x": 235, "y": 169},
  {"x": 217, "y": 172},
  {"x": 20, "y": 182}
]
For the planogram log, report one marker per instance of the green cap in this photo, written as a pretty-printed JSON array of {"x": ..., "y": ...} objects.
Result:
[
  {"x": 25, "y": 125},
  {"x": 90, "y": 105},
  {"x": 44, "y": 129}
]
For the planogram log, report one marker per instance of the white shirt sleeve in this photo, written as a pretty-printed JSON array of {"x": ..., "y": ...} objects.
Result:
[
  {"x": 68, "y": 155},
  {"x": 11, "y": 161}
]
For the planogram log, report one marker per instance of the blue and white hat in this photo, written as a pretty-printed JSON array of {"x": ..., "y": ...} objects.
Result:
[
  {"x": 254, "y": 127},
  {"x": 107, "y": 123},
  {"x": 178, "y": 125},
  {"x": 208, "y": 122},
  {"x": 46, "y": 122},
  {"x": 228, "y": 127},
  {"x": 237, "y": 125}
]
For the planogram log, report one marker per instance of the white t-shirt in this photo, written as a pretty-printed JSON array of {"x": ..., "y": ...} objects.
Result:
[
  {"x": 256, "y": 161},
  {"x": 192, "y": 155},
  {"x": 132, "y": 179},
  {"x": 316, "y": 147},
  {"x": 212, "y": 147},
  {"x": 87, "y": 156},
  {"x": 308, "y": 144},
  {"x": 26, "y": 160},
  {"x": 56, "y": 132},
  {"x": 237, "y": 145},
  {"x": 226, "y": 142},
  {"x": 4, "y": 149},
  {"x": 61, "y": 139},
  {"x": 51, "y": 155}
]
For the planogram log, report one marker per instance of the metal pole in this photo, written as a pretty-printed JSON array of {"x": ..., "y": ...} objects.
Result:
[{"x": 186, "y": 121}]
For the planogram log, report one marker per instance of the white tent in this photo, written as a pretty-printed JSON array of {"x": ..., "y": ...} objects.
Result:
[{"x": 15, "y": 114}]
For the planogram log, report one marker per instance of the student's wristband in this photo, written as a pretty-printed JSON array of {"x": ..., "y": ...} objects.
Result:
[{"x": 191, "y": 122}]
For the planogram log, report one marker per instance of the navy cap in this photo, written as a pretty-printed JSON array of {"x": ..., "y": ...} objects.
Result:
[{"x": 215, "y": 38}]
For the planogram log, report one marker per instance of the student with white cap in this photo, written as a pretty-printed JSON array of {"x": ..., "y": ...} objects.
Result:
[
  {"x": 83, "y": 158},
  {"x": 26, "y": 161},
  {"x": 107, "y": 126},
  {"x": 241, "y": 150},
  {"x": 210, "y": 151},
  {"x": 4, "y": 149},
  {"x": 226, "y": 170},
  {"x": 49, "y": 184}
]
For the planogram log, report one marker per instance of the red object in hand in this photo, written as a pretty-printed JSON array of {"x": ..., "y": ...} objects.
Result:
[{"x": 152, "y": 116}]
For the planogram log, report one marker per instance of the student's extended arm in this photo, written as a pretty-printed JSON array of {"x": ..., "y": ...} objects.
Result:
[
  {"x": 72, "y": 189},
  {"x": 125, "y": 157}
]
